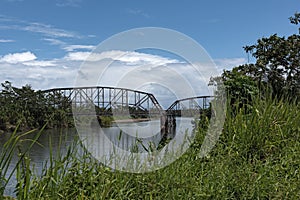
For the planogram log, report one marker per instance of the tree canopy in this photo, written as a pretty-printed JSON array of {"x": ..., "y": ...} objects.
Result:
[
  {"x": 276, "y": 69},
  {"x": 32, "y": 109}
]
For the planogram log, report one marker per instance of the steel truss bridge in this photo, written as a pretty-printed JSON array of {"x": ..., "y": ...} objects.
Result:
[{"x": 111, "y": 101}]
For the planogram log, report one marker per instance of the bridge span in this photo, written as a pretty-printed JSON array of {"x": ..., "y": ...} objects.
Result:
[
  {"x": 187, "y": 107},
  {"x": 112, "y": 101}
]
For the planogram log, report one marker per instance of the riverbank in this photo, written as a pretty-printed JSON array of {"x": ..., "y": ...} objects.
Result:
[
  {"x": 257, "y": 157},
  {"x": 104, "y": 121}
]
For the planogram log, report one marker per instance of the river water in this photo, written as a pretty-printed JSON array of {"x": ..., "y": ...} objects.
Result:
[{"x": 123, "y": 135}]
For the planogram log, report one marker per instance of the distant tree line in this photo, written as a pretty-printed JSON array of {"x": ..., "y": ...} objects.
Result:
[
  {"x": 32, "y": 109},
  {"x": 27, "y": 109}
]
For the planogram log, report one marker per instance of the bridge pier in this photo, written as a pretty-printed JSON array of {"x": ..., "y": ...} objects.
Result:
[
  {"x": 188, "y": 107},
  {"x": 168, "y": 126}
]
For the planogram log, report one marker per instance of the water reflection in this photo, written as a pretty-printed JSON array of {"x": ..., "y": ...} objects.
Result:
[{"x": 133, "y": 137}]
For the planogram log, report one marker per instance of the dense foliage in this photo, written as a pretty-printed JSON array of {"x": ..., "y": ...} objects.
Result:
[
  {"x": 32, "y": 109},
  {"x": 276, "y": 69}
]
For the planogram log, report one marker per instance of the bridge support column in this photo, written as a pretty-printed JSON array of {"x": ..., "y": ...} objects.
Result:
[
  {"x": 163, "y": 119},
  {"x": 168, "y": 126}
]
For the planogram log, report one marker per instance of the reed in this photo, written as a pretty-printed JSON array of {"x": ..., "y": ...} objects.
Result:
[{"x": 8, "y": 151}]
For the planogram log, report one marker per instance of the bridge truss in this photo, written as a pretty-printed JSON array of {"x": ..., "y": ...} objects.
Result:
[
  {"x": 189, "y": 107},
  {"x": 110, "y": 100}
]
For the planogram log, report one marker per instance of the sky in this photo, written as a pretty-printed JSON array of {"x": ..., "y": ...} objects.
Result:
[{"x": 44, "y": 42}]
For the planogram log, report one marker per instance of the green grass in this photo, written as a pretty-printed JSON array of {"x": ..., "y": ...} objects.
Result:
[
  {"x": 7, "y": 152},
  {"x": 256, "y": 157}
]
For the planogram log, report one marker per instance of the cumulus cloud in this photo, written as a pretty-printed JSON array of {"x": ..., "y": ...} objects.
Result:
[
  {"x": 130, "y": 58},
  {"x": 38, "y": 77},
  {"x": 41, "y": 63},
  {"x": 168, "y": 79},
  {"x": 18, "y": 57},
  {"x": 143, "y": 58},
  {"x": 27, "y": 59},
  {"x": 77, "y": 56}
]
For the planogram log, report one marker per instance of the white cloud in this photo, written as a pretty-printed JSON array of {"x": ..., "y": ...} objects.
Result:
[
  {"x": 155, "y": 74},
  {"x": 229, "y": 63},
  {"x": 143, "y": 58},
  {"x": 75, "y": 47},
  {"x": 44, "y": 29},
  {"x": 77, "y": 56},
  {"x": 26, "y": 59},
  {"x": 53, "y": 41},
  {"x": 93, "y": 57},
  {"x": 167, "y": 78},
  {"x": 18, "y": 57},
  {"x": 68, "y": 47},
  {"x": 130, "y": 58},
  {"x": 41, "y": 63},
  {"x": 6, "y": 41},
  {"x": 38, "y": 77},
  {"x": 49, "y": 30}
]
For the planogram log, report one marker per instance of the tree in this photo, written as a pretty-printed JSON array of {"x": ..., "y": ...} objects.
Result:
[
  {"x": 277, "y": 64},
  {"x": 277, "y": 69},
  {"x": 32, "y": 109},
  {"x": 295, "y": 19},
  {"x": 239, "y": 86}
]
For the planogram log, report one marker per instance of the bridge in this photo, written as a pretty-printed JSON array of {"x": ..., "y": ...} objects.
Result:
[
  {"x": 187, "y": 107},
  {"x": 112, "y": 101}
]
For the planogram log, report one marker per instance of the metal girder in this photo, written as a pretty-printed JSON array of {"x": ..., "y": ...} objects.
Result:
[
  {"x": 188, "y": 105},
  {"x": 122, "y": 100},
  {"x": 108, "y": 98}
]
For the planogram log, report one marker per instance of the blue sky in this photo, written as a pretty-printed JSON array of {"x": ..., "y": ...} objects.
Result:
[{"x": 40, "y": 39}]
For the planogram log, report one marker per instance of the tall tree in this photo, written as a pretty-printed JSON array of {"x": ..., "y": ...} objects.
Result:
[
  {"x": 277, "y": 68},
  {"x": 277, "y": 62}
]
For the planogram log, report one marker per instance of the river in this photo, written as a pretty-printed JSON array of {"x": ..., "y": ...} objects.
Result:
[{"x": 122, "y": 135}]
